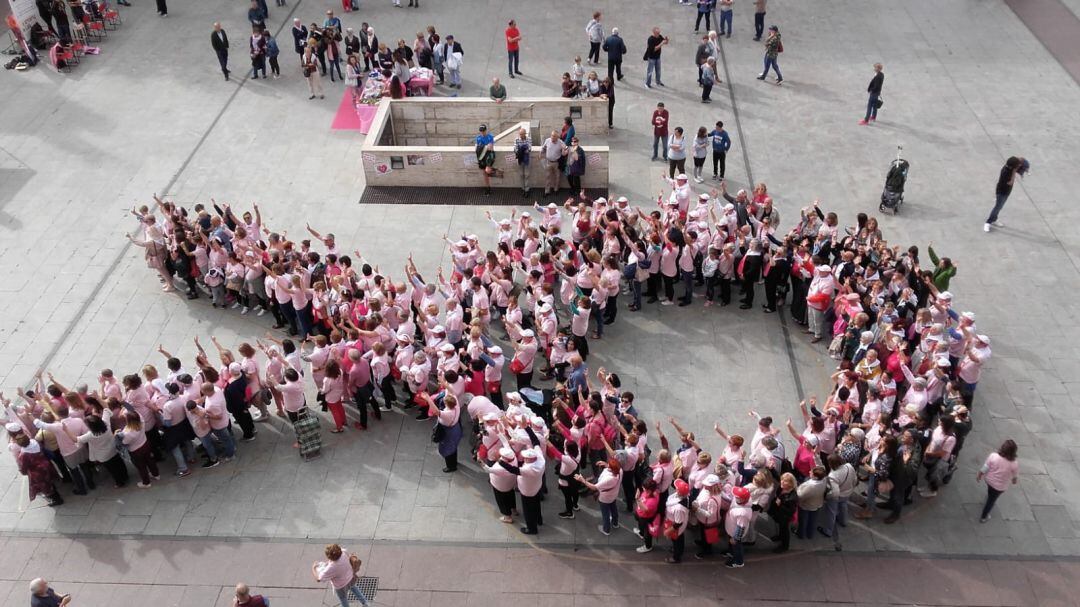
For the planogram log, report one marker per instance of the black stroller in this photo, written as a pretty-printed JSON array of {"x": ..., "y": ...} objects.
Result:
[{"x": 892, "y": 197}]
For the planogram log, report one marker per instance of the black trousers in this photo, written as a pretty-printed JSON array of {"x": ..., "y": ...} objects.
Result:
[
  {"x": 570, "y": 494},
  {"x": 389, "y": 395},
  {"x": 530, "y": 508},
  {"x": 770, "y": 294},
  {"x": 244, "y": 420},
  {"x": 223, "y": 59},
  {"x": 643, "y": 528},
  {"x": 614, "y": 69},
  {"x": 676, "y": 166},
  {"x": 575, "y": 182},
  {"x": 162, "y": 8},
  {"x": 275, "y": 69},
  {"x": 719, "y": 161},
  {"x": 451, "y": 461},
  {"x": 799, "y": 289},
  {"x": 784, "y": 533},
  {"x": 594, "y": 52},
  {"x": 678, "y": 546},
  {"x": 759, "y": 25},
  {"x": 610, "y": 111},
  {"x": 652, "y": 286},
  {"x": 117, "y": 470},
  {"x": 708, "y": 23},
  {"x": 669, "y": 287},
  {"x": 524, "y": 380},
  {"x": 361, "y": 399},
  {"x": 748, "y": 291},
  {"x": 505, "y": 500}
]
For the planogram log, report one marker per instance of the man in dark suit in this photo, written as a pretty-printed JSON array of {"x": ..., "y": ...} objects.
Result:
[
  {"x": 750, "y": 272},
  {"x": 300, "y": 37},
  {"x": 220, "y": 42},
  {"x": 776, "y": 274}
]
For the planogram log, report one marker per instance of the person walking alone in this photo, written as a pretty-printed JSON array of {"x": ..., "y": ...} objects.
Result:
[
  {"x": 1000, "y": 469},
  {"x": 1015, "y": 165},
  {"x": 513, "y": 39},
  {"x": 615, "y": 48},
  {"x": 219, "y": 41},
  {"x": 874, "y": 89},
  {"x": 773, "y": 48},
  {"x": 595, "y": 32},
  {"x": 653, "y": 47}
]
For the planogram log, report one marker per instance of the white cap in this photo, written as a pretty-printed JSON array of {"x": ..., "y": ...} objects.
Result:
[
  {"x": 404, "y": 337},
  {"x": 983, "y": 338},
  {"x": 601, "y": 200},
  {"x": 943, "y": 362},
  {"x": 552, "y": 205},
  {"x": 507, "y": 453},
  {"x": 827, "y": 269},
  {"x": 13, "y": 427},
  {"x": 729, "y": 208},
  {"x": 447, "y": 347},
  {"x": 711, "y": 481},
  {"x": 526, "y": 214},
  {"x": 529, "y": 454},
  {"x": 703, "y": 196},
  {"x": 528, "y": 333},
  {"x": 968, "y": 315},
  {"x": 681, "y": 177},
  {"x": 473, "y": 237},
  {"x": 622, "y": 199},
  {"x": 514, "y": 396},
  {"x": 945, "y": 295},
  {"x": 495, "y": 350},
  {"x": 544, "y": 307},
  {"x": 439, "y": 329},
  {"x": 504, "y": 222}
]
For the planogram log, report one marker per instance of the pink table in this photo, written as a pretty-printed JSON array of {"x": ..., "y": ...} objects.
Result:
[{"x": 366, "y": 114}]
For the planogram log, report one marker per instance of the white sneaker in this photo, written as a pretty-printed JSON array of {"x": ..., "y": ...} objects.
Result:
[
  {"x": 667, "y": 302},
  {"x": 928, "y": 494},
  {"x": 984, "y": 519},
  {"x": 986, "y": 227},
  {"x": 245, "y": 310},
  {"x": 601, "y": 528},
  {"x": 643, "y": 549},
  {"x": 235, "y": 305},
  {"x": 261, "y": 312}
]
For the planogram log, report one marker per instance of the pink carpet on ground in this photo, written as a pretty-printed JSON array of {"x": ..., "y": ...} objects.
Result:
[{"x": 346, "y": 118}]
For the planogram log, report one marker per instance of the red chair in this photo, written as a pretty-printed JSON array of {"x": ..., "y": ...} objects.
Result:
[
  {"x": 69, "y": 55},
  {"x": 111, "y": 15},
  {"x": 94, "y": 28}
]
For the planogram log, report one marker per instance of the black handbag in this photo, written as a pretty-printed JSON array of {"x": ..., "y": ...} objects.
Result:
[
  {"x": 438, "y": 433},
  {"x": 880, "y": 102}
]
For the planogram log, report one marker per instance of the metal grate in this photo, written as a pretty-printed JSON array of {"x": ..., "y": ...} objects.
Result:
[
  {"x": 368, "y": 585},
  {"x": 464, "y": 196}
]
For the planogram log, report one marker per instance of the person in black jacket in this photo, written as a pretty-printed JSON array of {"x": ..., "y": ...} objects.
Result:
[
  {"x": 300, "y": 36},
  {"x": 615, "y": 48},
  {"x": 875, "y": 94},
  {"x": 750, "y": 273},
  {"x": 236, "y": 401},
  {"x": 220, "y": 43},
  {"x": 782, "y": 509},
  {"x": 779, "y": 270}
]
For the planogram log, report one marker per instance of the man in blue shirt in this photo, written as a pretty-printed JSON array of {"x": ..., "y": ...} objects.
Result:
[
  {"x": 721, "y": 143},
  {"x": 485, "y": 156}
]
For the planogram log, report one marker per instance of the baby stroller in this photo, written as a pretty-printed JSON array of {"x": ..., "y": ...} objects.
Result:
[{"x": 893, "y": 194}]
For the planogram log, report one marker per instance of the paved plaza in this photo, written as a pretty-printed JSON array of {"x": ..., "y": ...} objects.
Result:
[{"x": 968, "y": 84}]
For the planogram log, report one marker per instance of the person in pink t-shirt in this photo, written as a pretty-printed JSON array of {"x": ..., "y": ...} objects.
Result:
[
  {"x": 999, "y": 470},
  {"x": 340, "y": 571}
]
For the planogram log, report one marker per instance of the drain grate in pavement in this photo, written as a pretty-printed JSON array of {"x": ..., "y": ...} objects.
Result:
[{"x": 464, "y": 196}]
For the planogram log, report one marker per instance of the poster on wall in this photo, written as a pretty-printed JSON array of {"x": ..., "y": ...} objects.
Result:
[
  {"x": 510, "y": 159},
  {"x": 415, "y": 160},
  {"x": 368, "y": 158},
  {"x": 436, "y": 158},
  {"x": 383, "y": 168},
  {"x": 593, "y": 159}
]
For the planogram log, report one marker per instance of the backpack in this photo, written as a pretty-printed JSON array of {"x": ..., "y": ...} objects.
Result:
[{"x": 318, "y": 273}]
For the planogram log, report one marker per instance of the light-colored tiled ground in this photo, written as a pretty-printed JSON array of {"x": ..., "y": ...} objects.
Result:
[{"x": 967, "y": 85}]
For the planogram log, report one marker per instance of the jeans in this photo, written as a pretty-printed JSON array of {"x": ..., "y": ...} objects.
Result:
[
  {"x": 659, "y": 141},
  {"x": 735, "y": 547},
  {"x": 759, "y": 25},
  {"x": 598, "y": 316},
  {"x": 771, "y": 62},
  {"x": 653, "y": 64},
  {"x": 455, "y": 77},
  {"x": 871, "y": 107},
  {"x": 688, "y": 285},
  {"x": 635, "y": 290},
  {"x": 992, "y": 496},
  {"x": 182, "y": 453},
  {"x": 807, "y": 522},
  {"x": 335, "y": 64},
  {"x": 343, "y": 594},
  {"x": 208, "y": 444},
  {"x": 512, "y": 58},
  {"x": 725, "y": 20},
  {"x": 999, "y": 203},
  {"x": 609, "y": 515},
  {"x": 836, "y": 511},
  {"x": 228, "y": 445}
]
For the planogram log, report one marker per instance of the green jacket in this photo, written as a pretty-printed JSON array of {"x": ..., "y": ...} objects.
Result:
[{"x": 942, "y": 276}]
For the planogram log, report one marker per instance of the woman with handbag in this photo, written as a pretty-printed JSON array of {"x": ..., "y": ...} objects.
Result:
[
  {"x": 311, "y": 71},
  {"x": 341, "y": 569},
  {"x": 447, "y": 431}
]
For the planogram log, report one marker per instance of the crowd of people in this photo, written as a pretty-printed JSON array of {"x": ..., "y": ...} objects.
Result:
[{"x": 531, "y": 306}]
